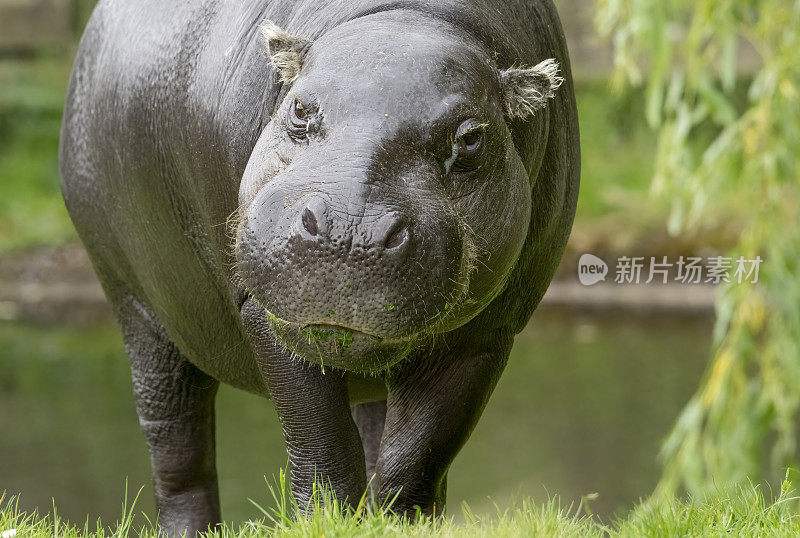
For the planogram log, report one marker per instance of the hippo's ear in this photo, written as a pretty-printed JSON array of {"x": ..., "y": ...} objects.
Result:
[
  {"x": 285, "y": 50},
  {"x": 527, "y": 89}
]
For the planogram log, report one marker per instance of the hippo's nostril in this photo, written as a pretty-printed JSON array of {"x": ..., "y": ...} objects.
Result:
[
  {"x": 391, "y": 231},
  {"x": 397, "y": 236},
  {"x": 310, "y": 222}
]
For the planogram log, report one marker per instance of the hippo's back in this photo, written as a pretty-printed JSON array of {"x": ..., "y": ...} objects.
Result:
[{"x": 164, "y": 107}]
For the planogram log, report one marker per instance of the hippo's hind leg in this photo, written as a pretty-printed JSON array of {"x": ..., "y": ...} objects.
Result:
[
  {"x": 370, "y": 418},
  {"x": 175, "y": 404}
]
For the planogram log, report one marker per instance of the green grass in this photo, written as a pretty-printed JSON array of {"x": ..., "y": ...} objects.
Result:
[{"x": 734, "y": 512}]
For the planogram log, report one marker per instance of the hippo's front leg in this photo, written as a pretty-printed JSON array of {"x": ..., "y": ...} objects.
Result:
[
  {"x": 433, "y": 406},
  {"x": 314, "y": 410}
]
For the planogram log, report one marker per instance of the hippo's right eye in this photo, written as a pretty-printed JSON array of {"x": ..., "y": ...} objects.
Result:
[
  {"x": 300, "y": 112},
  {"x": 299, "y": 120}
]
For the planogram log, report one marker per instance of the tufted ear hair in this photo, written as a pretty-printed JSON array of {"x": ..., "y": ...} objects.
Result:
[
  {"x": 285, "y": 50},
  {"x": 526, "y": 90}
]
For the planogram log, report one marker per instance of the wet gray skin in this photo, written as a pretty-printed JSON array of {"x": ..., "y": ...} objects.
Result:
[
  {"x": 367, "y": 223},
  {"x": 350, "y": 210}
]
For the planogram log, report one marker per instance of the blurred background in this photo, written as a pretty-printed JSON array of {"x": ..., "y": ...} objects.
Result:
[{"x": 595, "y": 383}]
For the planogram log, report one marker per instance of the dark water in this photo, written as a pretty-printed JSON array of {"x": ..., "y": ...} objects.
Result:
[{"x": 581, "y": 409}]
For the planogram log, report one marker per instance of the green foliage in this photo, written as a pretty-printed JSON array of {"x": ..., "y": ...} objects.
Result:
[
  {"x": 717, "y": 148},
  {"x": 607, "y": 127},
  {"x": 31, "y": 209}
]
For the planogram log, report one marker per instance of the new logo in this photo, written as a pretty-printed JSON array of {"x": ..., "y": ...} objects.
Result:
[{"x": 591, "y": 269}]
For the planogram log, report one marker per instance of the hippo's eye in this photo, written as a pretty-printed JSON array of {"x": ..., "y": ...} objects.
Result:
[
  {"x": 299, "y": 119},
  {"x": 300, "y": 112},
  {"x": 469, "y": 145}
]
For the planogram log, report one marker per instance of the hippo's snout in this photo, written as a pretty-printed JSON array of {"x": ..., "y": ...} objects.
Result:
[
  {"x": 353, "y": 290},
  {"x": 389, "y": 232}
]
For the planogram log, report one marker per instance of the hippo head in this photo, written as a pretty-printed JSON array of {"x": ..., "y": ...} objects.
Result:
[{"x": 385, "y": 202}]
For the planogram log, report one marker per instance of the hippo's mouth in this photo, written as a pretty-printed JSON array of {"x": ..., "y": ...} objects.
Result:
[{"x": 340, "y": 347}]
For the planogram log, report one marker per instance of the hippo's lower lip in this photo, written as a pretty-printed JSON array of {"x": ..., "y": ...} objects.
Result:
[
  {"x": 340, "y": 347},
  {"x": 328, "y": 328}
]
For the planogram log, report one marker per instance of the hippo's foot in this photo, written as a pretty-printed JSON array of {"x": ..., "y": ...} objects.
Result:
[{"x": 188, "y": 512}]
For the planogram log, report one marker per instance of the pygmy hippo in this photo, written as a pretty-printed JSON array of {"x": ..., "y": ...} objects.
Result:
[{"x": 349, "y": 207}]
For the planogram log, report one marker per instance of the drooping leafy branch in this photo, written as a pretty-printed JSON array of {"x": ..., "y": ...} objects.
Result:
[{"x": 728, "y": 136}]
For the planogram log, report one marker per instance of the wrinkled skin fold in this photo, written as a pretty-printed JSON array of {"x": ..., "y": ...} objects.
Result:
[{"x": 350, "y": 208}]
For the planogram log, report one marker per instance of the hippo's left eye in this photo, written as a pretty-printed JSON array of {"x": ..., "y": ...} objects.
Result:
[{"x": 469, "y": 145}]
